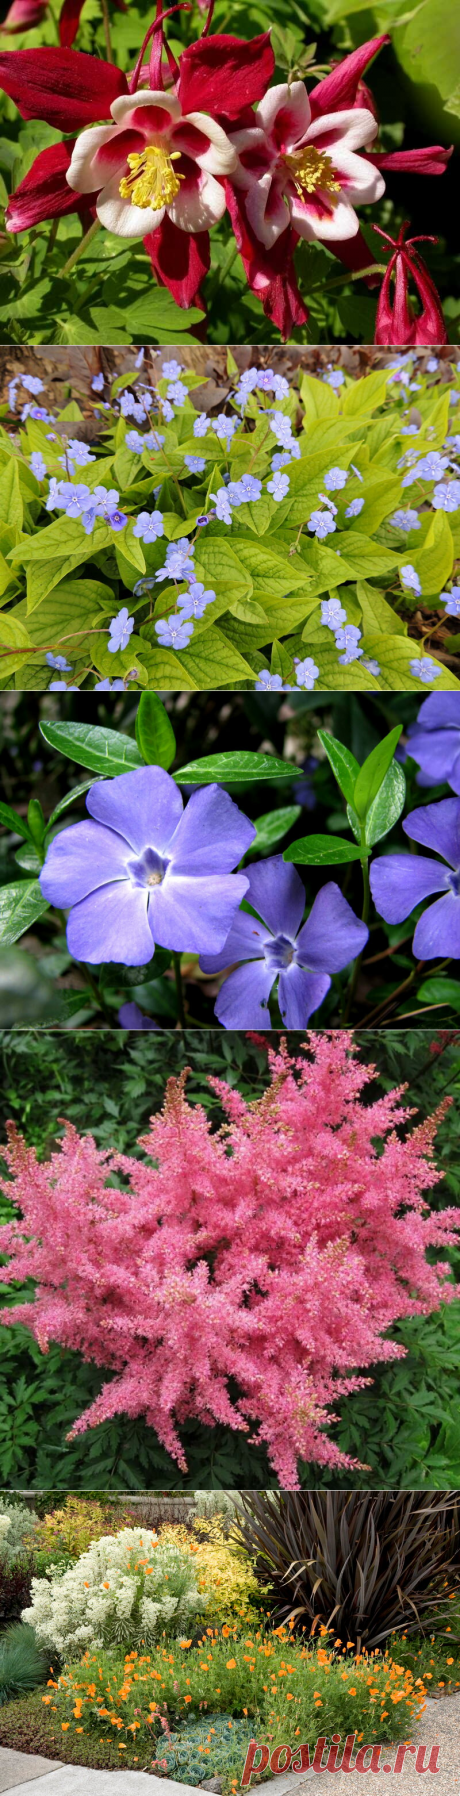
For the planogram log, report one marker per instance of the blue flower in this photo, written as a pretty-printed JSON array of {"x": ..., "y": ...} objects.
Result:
[
  {"x": 77, "y": 452},
  {"x": 38, "y": 465},
  {"x": 446, "y": 496},
  {"x": 301, "y": 957},
  {"x": 201, "y": 425},
  {"x": 332, "y": 614},
  {"x": 224, "y": 427},
  {"x": 193, "y": 603},
  {"x": 306, "y": 672},
  {"x": 174, "y": 632},
  {"x": 372, "y": 667},
  {"x": 59, "y": 662},
  {"x": 172, "y": 370},
  {"x": 120, "y": 629},
  {"x": 269, "y": 682},
  {"x": 425, "y": 670},
  {"x": 195, "y": 463},
  {"x": 142, "y": 869},
  {"x": 335, "y": 479},
  {"x": 430, "y": 467},
  {"x": 61, "y": 686},
  {"x": 109, "y": 686},
  {"x": 399, "y": 882},
  {"x": 176, "y": 393},
  {"x": 32, "y": 384},
  {"x": 410, "y": 579},
  {"x": 282, "y": 428},
  {"x": 348, "y": 639},
  {"x": 321, "y": 523},
  {"x": 168, "y": 411},
  {"x": 336, "y": 379},
  {"x": 405, "y": 520},
  {"x": 148, "y": 526},
  {"x": 135, "y": 442},
  {"x": 432, "y": 364},
  {"x": 279, "y": 486},
  {"x": 222, "y": 504},
  {"x": 434, "y": 740},
  {"x": 451, "y": 601},
  {"x": 179, "y": 561},
  {"x": 354, "y": 508},
  {"x": 97, "y": 383}
]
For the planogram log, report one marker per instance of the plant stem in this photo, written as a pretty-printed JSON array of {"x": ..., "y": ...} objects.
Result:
[
  {"x": 225, "y": 270},
  {"x": 80, "y": 249},
  {"x": 53, "y": 234},
  {"x": 106, "y": 24},
  {"x": 179, "y": 989}
]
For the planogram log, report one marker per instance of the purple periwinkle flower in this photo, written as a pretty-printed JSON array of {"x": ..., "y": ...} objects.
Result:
[
  {"x": 143, "y": 869},
  {"x": 148, "y": 526},
  {"x": 120, "y": 630},
  {"x": 434, "y": 740},
  {"x": 301, "y": 956},
  {"x": 131, "y": 1017},
  {"x": 399, "y": 882},
  {"x": 32, "y": 384}
]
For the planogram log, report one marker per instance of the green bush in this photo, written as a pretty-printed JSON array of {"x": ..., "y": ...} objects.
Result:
[{"x": 23, "y": 1663}]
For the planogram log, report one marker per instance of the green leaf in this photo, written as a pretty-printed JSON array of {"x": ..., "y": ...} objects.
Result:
[
  {"x": 77, "y": 792},
  {"x": 365, "y": 395},
  {"x": 373, "y": 771},
  {"x": 11, "y": 507},
  {"x": 11, "y": 821},
  {"x": 385, "y": 809},
  {"x": 20, "y": 905},
  {"x": 154, "y": 733},
  {"x": 322, "y": 851},
  {"x": 240, "y": 768},
  {"x": 343, "y": 764},
  {"x": 36, "y": 822},
  {"x": 105, "y": 751},
  {"x": 434, "y": 562},
  {"x": 440, "y": 991},
  {"x": 271, "y": 828},
  {"x": 395, "y": 655}
]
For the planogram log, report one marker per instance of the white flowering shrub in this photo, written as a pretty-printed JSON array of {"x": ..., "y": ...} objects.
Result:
[
  {"x": 17, "y": 1525},
  {"x": 127, "y": 1588}
]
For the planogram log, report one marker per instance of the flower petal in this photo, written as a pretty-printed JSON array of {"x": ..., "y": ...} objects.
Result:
[
  {"x": 225, "y": 74},
  {"x": 267, "y": 210},
  {"x": 81, "y": 173},
  {"x": 311, "y": 219},
  {"x": 438, "y": 931},
  {"x": 285, "y": 114},
  {"x": 66, "y": 88},
  {"x": 126, "y": 104},
  {"x": 112, "y": 924},
  {"x": 340, "y": 88},
  {"x": 212, "y": 835},
  {"x": 144, "y": 807},
  {"x": 44, "y": 192},
  {"x": 78, "y": 860},
  {"x": 246, "y": 941},
  {"x": 199, "y": 203},
  {"x": 332, "y": 935},
  {"x": 243, "y": 998},
  {"x": 435, "y": 751},
  {"x": 195, "y": 915},
  {"x": 122, "y": 216},
  {"x": 277, "y": 893},
  {"x": 351, "y": 129},
  {"x": 399, "y": 882},
  {"x": 220, "y": 157},
  {"x": 179, "y": 260},
  {"x": 300, "y": 992},
  {"x": 437, "y": 826}
]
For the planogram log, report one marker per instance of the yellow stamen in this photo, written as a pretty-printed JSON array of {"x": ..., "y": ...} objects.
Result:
[
  {"x": 312, "y": 171},
  {"x": 153, "y": 181}
]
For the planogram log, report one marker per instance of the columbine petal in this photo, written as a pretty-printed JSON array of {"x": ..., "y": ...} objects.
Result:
[
  {"x": 81, "y": 173},
  {"x": 212, "y": 835},
  {"x": 44, "y": 192},
  {"x": 66, "y": 88},
  {"x": 266, "y": 209},
  {"x": 121, "y": 216},
  {"x": 243, "y": 998},
  {"x": 112, "y": 924},
  {"x": 78, "y": 860},
  {"x": 285, "y": 112},
  {"x": 437, "y": 826},
  {"x": 311, "y": 220},
  {"x": 332, "y": 935},
  {"x": 144, "y": 807},
  {"x": 220, "y": 157},
  {"x": 123, "y": 107},
  {"x": 300, "y": 992},
  {"x": 438, "y": 931},
  {"x": 198, "y": 205},
  {"x": 225, "y": 74},
  {"x": 179, "y": 260},
  {"x": 340, "y": 88},
  {"x": 277, "y": 893},
  {"x": 347, "y": 130},
  {"x": 400, "y": 881},
  {"x": 193, "y": 915}
]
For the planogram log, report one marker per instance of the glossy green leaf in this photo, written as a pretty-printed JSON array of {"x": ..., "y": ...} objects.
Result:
[
  {"x": 154, "y": 733},
  {"x": 322, "y": 851},
  {"x": 271, "y": 828},
  {"x": 20, "y": 905},
  {"x": 440, "y": 991},
  {"x": 373, "y": 771},
  {"x": 385, "y": 809},
  {"x": 239, "y": 768},
  {"x": 343, "y": 763},
  {"x": 11, "y": 821},
  {"x": 106, "y": 752}
]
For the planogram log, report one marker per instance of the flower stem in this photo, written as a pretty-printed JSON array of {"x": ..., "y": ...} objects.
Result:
[
  {"x": 106, "y": 24},
  {"x": 80, "y": 249},
  {"x": 179, "y": 990}
]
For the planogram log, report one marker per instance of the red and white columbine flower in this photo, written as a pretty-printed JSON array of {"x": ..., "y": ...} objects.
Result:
[
  {"x": 153, "y": 159},
  {"x": 305, "y": 172}
]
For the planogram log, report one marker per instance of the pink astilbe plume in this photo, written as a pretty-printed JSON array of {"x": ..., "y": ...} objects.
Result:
[{"x": 275, "y": 1252}]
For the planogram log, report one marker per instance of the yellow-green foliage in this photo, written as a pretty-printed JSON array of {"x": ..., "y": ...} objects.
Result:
[
  {"x": 228, "y": 1580},
  {"x": 68, "y": 1531}
]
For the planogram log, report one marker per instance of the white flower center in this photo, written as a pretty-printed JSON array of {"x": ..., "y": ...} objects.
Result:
[
  {"x": 153, "y": 180},
  {"x": 311, "y": 170}
]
